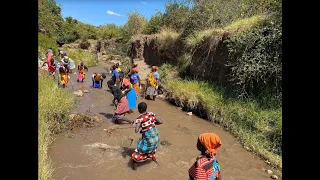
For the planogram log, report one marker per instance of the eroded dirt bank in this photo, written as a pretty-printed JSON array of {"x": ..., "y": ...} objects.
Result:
[{"x": 104, "y": 152}]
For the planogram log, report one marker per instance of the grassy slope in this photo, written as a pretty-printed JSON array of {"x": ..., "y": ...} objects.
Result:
[
  {"x": 78, "y": 54},
  {"x": 52, "y": 100},
  {"x": 258, "y": 128},
  {"x": 245, "y": 120}
]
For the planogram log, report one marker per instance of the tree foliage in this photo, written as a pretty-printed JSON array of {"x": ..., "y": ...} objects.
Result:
[
  {"x": 256, "y": 59},
  {"x": 154, "y": 24},
  {"x": 175, "y": 15},
  {"x": 50, "y": 20},
  {"x": 135, "y": 25}
]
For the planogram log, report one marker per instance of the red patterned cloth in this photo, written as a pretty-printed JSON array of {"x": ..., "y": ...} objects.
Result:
[{"x": 147, "y": 121}]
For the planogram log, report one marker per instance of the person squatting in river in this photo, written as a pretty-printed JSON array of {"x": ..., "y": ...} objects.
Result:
[
  {"x": 82, "y": 69},
  {"x": 66, "y": 63},
  {"x": 206, "y": 166},
  {"x": 97, "y": 79},
  {"x": 129, "y": 92},
  {"x": 147, "y": 146},
  {"x": 122, "y": 108},
  {"x": 64, "y": 78}
]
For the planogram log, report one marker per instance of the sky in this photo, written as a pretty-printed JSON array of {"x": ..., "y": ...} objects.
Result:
[{"x": 102, "y": 12}]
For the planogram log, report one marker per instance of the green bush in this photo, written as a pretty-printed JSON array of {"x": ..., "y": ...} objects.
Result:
[
  {"x": 155, "y": 23},
  {"x": 255, "y": 58},
  {"x": 45, "y": 42},
  {"x": 49, "y": 17},
  {"x": 175, "y": 15}
]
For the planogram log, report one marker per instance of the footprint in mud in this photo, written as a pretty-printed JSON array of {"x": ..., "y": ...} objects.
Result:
[
  {"x": 165, "y": 143},
  {"x": 183, "y": 129}
]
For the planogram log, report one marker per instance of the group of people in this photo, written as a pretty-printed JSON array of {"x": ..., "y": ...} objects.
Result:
[
  {"x": 206, "y": 166},
  {"x": 125, "y": 91},
  {"x": 64, "y": 67}
]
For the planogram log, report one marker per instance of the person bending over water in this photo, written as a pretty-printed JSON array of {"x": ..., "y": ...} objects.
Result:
[
  {"x": 129, "y": 92},
  {"x": 206, "y": 167},
  {"x": 148, "y": 144},
  {"x": 97, "y": 80},
  {"x": 122, "y": 108},
  {"x": 82, "y": 69}
]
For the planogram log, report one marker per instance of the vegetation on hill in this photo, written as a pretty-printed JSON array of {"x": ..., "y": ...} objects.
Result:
[{"x": 228, "y": 55}]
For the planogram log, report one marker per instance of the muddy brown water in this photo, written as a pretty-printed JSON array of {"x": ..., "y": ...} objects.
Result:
[{"x": 94, "y": 154}]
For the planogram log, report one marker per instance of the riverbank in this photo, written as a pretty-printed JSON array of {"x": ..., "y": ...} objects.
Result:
[
  {"x": 53, "y": 102},
  {"x": 54, "y": 107},
  {"x": 258, "y": 129}
]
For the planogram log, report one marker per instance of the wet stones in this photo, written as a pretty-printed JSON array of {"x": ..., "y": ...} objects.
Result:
[
  {"x": 269, "y": 172},
  {"x": 274, "y": 177},
  {"x": 78, "y": 93}
]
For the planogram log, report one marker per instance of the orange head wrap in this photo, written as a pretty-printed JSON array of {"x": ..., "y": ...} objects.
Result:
[
  {"x": 211, "y": 142},
  {"x": 126, "y": 82},
  {"x": 155, "y": 67}
]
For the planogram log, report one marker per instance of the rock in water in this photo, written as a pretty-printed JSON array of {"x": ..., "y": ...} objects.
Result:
[
  {"x": 189, "y": 113},
  {"x": 78, "y": 93},
  {"x": 269, "y": 171},
  {"x": 274, "y": 177}
]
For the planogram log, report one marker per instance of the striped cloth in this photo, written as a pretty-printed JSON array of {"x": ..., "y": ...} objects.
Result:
[{"x": 205, "y": 169}]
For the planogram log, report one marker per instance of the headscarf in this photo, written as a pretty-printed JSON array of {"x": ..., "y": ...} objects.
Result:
[
  {"x": 49, "y": 51},
  {"x": 155, "y": 67},
  {"x": 211, "y": 142}
]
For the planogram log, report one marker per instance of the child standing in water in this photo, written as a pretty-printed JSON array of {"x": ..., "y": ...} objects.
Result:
[
  {"x": 148, "y": 144},
  {"x": 206, "y": 167}
]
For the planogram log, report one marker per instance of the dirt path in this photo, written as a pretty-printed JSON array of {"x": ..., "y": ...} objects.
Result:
[{"x": 93, "y": 154}]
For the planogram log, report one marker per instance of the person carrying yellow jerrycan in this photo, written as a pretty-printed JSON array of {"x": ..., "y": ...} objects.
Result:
[{"x": 82, "y": 69}]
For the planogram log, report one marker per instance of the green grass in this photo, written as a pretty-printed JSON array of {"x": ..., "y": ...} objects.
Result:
[
  {"x": 245, "y": 120},
  {"x": 237, "y": 27},
  {"x": 52, "y": 101},
  {"x": 77, "y": 55},
  {"x": 44, "y": 43}
]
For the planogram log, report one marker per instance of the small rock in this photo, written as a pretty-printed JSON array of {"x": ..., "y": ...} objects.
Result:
[
  {"x": 247, "y": 148},
  {"x": 180, "y": 108},
  {"x": 161, "y": 96},
  {"x": 274, "y": 177},
  {"x": 78, "y": 93},
  {"x": 269, "y": 171},
  {"x": 85, "y": 91},
  {"x": 189, "y": 113},
  {"x": 71, "y": 116}
]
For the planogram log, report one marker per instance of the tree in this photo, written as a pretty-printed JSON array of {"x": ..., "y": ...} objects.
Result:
[
  {"x": 135, "y": 25},
  {"x": 155, "y": 23},
  {"x": 50, "y": 20}
]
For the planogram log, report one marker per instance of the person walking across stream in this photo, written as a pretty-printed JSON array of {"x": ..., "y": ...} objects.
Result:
[{"x": 147, "y": 146}]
